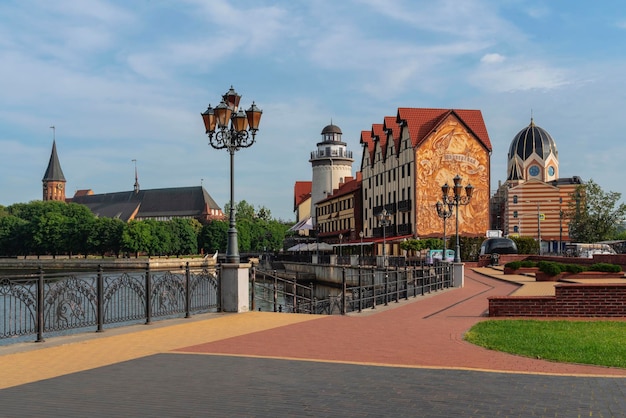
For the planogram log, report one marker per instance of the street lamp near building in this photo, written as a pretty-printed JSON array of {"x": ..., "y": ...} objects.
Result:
[
  {"x": 384, "y": 220},
  {"x": 361, "y": 236},
  {"x": 230, "y": 128},
  {"x": 444, "y": 212},
  {"x": 456, "y": 200}
]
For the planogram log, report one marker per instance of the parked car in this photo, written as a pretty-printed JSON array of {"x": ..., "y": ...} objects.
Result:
[{"x": 498, "y": 246}]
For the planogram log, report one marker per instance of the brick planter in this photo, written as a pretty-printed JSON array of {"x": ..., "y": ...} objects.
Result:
[
  {"x": 521, "y": 270},
  {"x": 543, "y": 277}
]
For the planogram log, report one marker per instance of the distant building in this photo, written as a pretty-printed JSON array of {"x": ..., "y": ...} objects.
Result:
[
  {"x": 331, "y": 164},
  {"x": 534, "y": 198},
  {"x": 407, "y": 158},
  {"x": 158, "y": 204},
  {"x": 339, "y": 216},
  {"x": 302, "y": 207},
  {"x": 53, "y": 179}
]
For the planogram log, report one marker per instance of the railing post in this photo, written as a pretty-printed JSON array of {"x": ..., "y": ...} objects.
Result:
[
  {"x": 187, "y": 291},
  {"x": 295, "y": 290},
  {"x": 397, "y": 285},
  {"x": 406, "y": 281},
  {"x": 275, "y": 292},
  {"x": 386, "y": 286},
  {"x": 100, "y": 299},
  {"x": 40, "y": 285},
  {"x": 343, "y": 291},
  {"x": 253, "y": 302},
  {"x": 148, "y": 295},
  {"x": 312, "y": 298},
  {"x": 360, "y": 290},
  {"x": 373, "y": 288}
]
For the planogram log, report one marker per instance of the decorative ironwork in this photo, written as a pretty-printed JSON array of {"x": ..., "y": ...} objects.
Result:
[{"x": 79, "y": 301}]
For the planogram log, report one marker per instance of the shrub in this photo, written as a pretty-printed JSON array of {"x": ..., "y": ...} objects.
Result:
[
  {"x": 550, "y": 268},
  {"x": 513, "y": 265},
  {"x": 528, "y": 263},
  {"x": 574, "y": 268},
  {"x": 606, "y": 267}
]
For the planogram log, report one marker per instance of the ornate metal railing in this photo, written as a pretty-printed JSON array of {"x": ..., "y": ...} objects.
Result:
[
  {"x": 374, "y": 287},
  {"x": 44, "y": 303}
]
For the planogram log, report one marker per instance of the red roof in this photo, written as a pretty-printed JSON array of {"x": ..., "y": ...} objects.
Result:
[
  {"x": 301, "y": 192},
  {"x": 366, "y": 138},
  {"x": 392, "y": 128},
  {"x": 422, "y": 122},
  {"x": 378, "y": 134},
  {"x": 350, "y": 185}
]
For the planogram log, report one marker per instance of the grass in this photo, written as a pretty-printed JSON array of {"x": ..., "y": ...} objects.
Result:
[{"x": 601, "y": 343}]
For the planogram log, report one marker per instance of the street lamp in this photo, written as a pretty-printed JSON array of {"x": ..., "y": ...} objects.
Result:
[
  {"x": 340, "y": 242},
  {"x": 384, "y": 219},
  {"x": 444, "y": 212},
  {"x": 457, "y": 200},
  {"x": 240, "y": 133},
  {"x": 361, "y": 259}
]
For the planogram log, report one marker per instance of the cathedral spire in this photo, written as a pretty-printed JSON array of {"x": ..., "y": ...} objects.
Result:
[
  {"x": 53, "y": 179},
  {"x": 136, "y": 186}
]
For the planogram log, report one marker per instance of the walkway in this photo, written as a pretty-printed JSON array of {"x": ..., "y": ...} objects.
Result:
[{"x": 406, "y": 359}]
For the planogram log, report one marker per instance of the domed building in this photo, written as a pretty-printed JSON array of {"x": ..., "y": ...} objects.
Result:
[
  {"x": 534, "y": 198},
  {"x": 533, "y": 155}
]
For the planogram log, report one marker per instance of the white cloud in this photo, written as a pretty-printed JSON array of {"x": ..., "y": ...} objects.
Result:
[{"x": 492, "y": 58}]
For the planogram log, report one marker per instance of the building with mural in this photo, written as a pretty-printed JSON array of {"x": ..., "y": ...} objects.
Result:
[{"x": 408, "y": 158}]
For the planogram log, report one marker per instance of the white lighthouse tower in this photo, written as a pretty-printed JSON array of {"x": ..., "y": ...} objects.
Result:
[{"x": 331, "y": 163}]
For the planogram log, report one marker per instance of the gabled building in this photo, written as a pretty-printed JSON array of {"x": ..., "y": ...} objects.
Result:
[
  {"x": 407, "y": 159},
  {"x": 159, "y": 204},
  {"x": 339, "y": 216}
]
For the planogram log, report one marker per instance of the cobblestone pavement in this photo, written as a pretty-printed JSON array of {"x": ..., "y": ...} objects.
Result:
[{"x": 405, "y": 359}]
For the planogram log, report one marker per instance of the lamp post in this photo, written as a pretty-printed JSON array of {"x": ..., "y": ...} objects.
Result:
[
  {"x": 444, "y": 212},
  {"x": 384, "y": 219},
  {"x": 457, "y": 200},
  {"x": 340, "y": 242},
  {"x": 361, "y": 259},
  {"x": 239, "y": 133}
]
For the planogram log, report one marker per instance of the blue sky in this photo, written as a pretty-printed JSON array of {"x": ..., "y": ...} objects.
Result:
[{"x": 127, "y": 80}]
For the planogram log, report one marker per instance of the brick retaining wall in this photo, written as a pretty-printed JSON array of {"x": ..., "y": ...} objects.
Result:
[{"x": 570, "y": 300}]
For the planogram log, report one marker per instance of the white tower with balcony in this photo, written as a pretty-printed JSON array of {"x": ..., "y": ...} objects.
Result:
[{"x": 331, "y": 163}]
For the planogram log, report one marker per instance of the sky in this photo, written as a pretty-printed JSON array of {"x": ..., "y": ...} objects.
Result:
[{"x": 127, "y": 80}]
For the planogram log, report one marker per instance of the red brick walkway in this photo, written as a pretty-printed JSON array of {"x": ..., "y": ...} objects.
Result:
[{"x": 428, "y": 333}]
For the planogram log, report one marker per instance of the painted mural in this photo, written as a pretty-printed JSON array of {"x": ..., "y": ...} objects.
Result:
[{"x": 451, "y": 150}]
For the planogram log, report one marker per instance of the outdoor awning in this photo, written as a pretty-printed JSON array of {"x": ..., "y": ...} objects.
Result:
[{"x": 303, "y": 225}]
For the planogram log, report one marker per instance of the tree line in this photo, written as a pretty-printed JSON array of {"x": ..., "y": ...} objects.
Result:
[{"x": 55, "y": 228}]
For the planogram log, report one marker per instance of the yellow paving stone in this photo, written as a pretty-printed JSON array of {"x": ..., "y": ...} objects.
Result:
[{"x": 39, "y": 361}]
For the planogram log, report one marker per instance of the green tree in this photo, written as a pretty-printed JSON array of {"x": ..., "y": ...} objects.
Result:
[
  {"x": 137, "y": 237},
  {"x": 526, "y": 245},
  {"x": 106, "y": 236},
  {"x": 594, "y": 215},
  {"x": 12, "y": 236},
  {"x": 213, "y": 237}
]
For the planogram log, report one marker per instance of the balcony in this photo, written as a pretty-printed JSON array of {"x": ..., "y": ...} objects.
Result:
[
  {"x": 341, "y": 153},
  {"x": 404, "y": 206}
]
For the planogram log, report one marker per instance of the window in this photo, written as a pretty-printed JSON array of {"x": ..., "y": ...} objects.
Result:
[
  {"x": 516, "y": 229},
  {"x": 514, "y": 198},
  {"x": 515, "y": 214}
]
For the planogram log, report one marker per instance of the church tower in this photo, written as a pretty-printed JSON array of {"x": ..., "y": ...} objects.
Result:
[
  {"x": 54, "y": 180},
  {"x": 331, "y": 164}
]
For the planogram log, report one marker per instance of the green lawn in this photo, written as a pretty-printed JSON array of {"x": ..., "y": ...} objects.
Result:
[{"x": 588, "y": 342}]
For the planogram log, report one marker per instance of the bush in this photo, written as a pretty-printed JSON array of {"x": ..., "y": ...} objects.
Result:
[
  {"x": 528, "y": 263},
  {"x": 550, "y": 268},
  {"x": 574, "y": 268},
  {"x": 513, "y": 265},
  {"x": 606, "y": 267}
]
